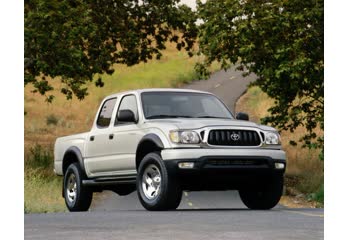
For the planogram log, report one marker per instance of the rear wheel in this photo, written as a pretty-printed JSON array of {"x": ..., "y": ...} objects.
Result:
[
  {"x": 77, "y": 197},
  {"x": 156, "y": 188},
  {"x": 264, "y": 197}
]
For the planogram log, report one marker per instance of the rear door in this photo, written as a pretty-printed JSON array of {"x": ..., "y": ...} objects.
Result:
[{"x": 98, "y": 157}]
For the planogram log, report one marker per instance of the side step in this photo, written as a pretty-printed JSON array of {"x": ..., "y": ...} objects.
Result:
[{"x": 109, "y": 181}]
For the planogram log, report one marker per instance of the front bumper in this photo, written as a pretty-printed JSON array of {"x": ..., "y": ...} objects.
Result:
[
  {"x": 224, "y": 169},
  {"x": 195, "y": 153}
]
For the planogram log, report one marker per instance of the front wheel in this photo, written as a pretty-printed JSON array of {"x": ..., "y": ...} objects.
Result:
[
  {"x": 264, "y": 197},
  {"x": 156, "y": 188},
  {"x": 77, "y": 197}
]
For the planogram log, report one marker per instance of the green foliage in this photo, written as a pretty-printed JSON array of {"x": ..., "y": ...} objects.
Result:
[
  {"x": 71, "y": 41},
  {"x": 52, "y": 120},
  {"x": 318, "y": 196},
  {"x": 39, "y": 158},
  {"x": 26, "y": 210},
  {"x": 185, "y": 78},
  {"x": 282, "y": 43}
]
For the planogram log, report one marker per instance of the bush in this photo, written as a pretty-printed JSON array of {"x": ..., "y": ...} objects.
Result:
[
  {"x": 52, "y": 120},
  {"x": 318, "y": 196},
  {"x": 185, "y": 78},
  {"x": 39, "y": 157}
]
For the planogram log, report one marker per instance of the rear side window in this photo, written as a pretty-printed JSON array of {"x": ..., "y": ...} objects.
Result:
[{"x": 104, "y": 118}]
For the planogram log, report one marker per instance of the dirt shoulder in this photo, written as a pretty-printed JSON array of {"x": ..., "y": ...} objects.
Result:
[
  {"x": 293, "y": 198},
  {"x": 298, "y": 202}
]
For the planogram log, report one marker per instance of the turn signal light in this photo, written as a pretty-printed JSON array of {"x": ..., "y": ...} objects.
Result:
[{"x": 186, "y": 165}]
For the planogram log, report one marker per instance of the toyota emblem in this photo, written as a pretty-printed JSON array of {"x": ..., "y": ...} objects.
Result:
[{"x": 235, "y": 137}]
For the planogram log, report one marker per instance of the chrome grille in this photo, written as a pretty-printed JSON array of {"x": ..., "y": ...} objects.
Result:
[{"x": 234, "y": 137}]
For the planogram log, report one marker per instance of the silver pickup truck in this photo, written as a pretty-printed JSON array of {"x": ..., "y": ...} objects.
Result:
[{"x": 161, "y": 142}]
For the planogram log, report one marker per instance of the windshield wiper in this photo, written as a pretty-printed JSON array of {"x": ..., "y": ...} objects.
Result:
[
  {"x": 167, "y": 116},
  {"x": 207, "y": 116}
]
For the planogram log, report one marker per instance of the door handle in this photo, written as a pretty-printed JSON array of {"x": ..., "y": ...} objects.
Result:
[
  {"x": 111, "y": 136},
  {"x": 92, "y": 138}
]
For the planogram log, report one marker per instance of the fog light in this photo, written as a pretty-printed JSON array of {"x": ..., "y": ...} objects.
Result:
[
  {"x": 279, "y": 165},
  {"x": 186, "y": 165}
]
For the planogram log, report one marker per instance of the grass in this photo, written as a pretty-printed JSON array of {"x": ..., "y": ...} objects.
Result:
[
  {"x": 42, "y": 189},
  {"x": 304, "y": 173},
  {"x": 44, "y": 122},
  {"x": 42, "y": 194}
]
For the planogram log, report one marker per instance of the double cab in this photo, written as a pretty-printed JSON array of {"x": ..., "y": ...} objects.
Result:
[{"x": 161, "y": 142}]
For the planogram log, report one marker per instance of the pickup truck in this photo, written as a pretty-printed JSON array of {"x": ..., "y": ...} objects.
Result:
[{"x": 160, "y": 142}]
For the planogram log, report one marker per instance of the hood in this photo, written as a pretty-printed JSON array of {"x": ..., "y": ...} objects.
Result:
[{"x": 196, "y": 123}]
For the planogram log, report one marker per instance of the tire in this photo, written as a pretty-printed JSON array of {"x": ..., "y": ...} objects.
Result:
[
  {"x": 265, "y": 197},
  {"x": 77, "y": 197},
  {"x": 157, "y": 189}
]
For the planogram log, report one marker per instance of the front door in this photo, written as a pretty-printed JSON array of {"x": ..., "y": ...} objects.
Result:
[{"x": 127, "y": 135}]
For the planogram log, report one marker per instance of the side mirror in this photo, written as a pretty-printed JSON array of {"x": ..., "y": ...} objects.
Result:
[
  {"x": 242, "y": 116},
  {"x": 126, "y": 116}
]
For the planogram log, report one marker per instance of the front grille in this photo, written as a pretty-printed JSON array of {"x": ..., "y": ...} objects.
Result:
[{"x": 231, "y": 137}]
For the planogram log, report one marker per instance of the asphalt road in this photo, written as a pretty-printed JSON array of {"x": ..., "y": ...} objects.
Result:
[
  {"x": 201, "y": 215},
  {"x": 227, "y": 85}
]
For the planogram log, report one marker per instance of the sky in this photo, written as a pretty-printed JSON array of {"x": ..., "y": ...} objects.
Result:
[{"x": 190, "y": 3}]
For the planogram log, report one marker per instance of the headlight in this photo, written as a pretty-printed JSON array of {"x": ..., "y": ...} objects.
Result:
[
  {"x": 272, "y": 138},
  {"x": 190, "y": 137}
]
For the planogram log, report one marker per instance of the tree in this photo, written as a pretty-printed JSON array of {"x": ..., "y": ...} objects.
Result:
[
  {"x": 282, "y": 43},
  {"x": 71, "y": 41}
]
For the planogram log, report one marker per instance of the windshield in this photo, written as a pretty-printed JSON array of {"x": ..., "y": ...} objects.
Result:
[{"x": 158, "y": 105}]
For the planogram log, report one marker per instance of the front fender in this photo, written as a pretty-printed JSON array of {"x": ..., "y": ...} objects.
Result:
[{"x": 154, "y": 138}]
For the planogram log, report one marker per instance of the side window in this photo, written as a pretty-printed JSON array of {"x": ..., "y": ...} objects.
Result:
[
  {"x": 128, "y": 102},
  {"x": 104, "y": 118}
]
